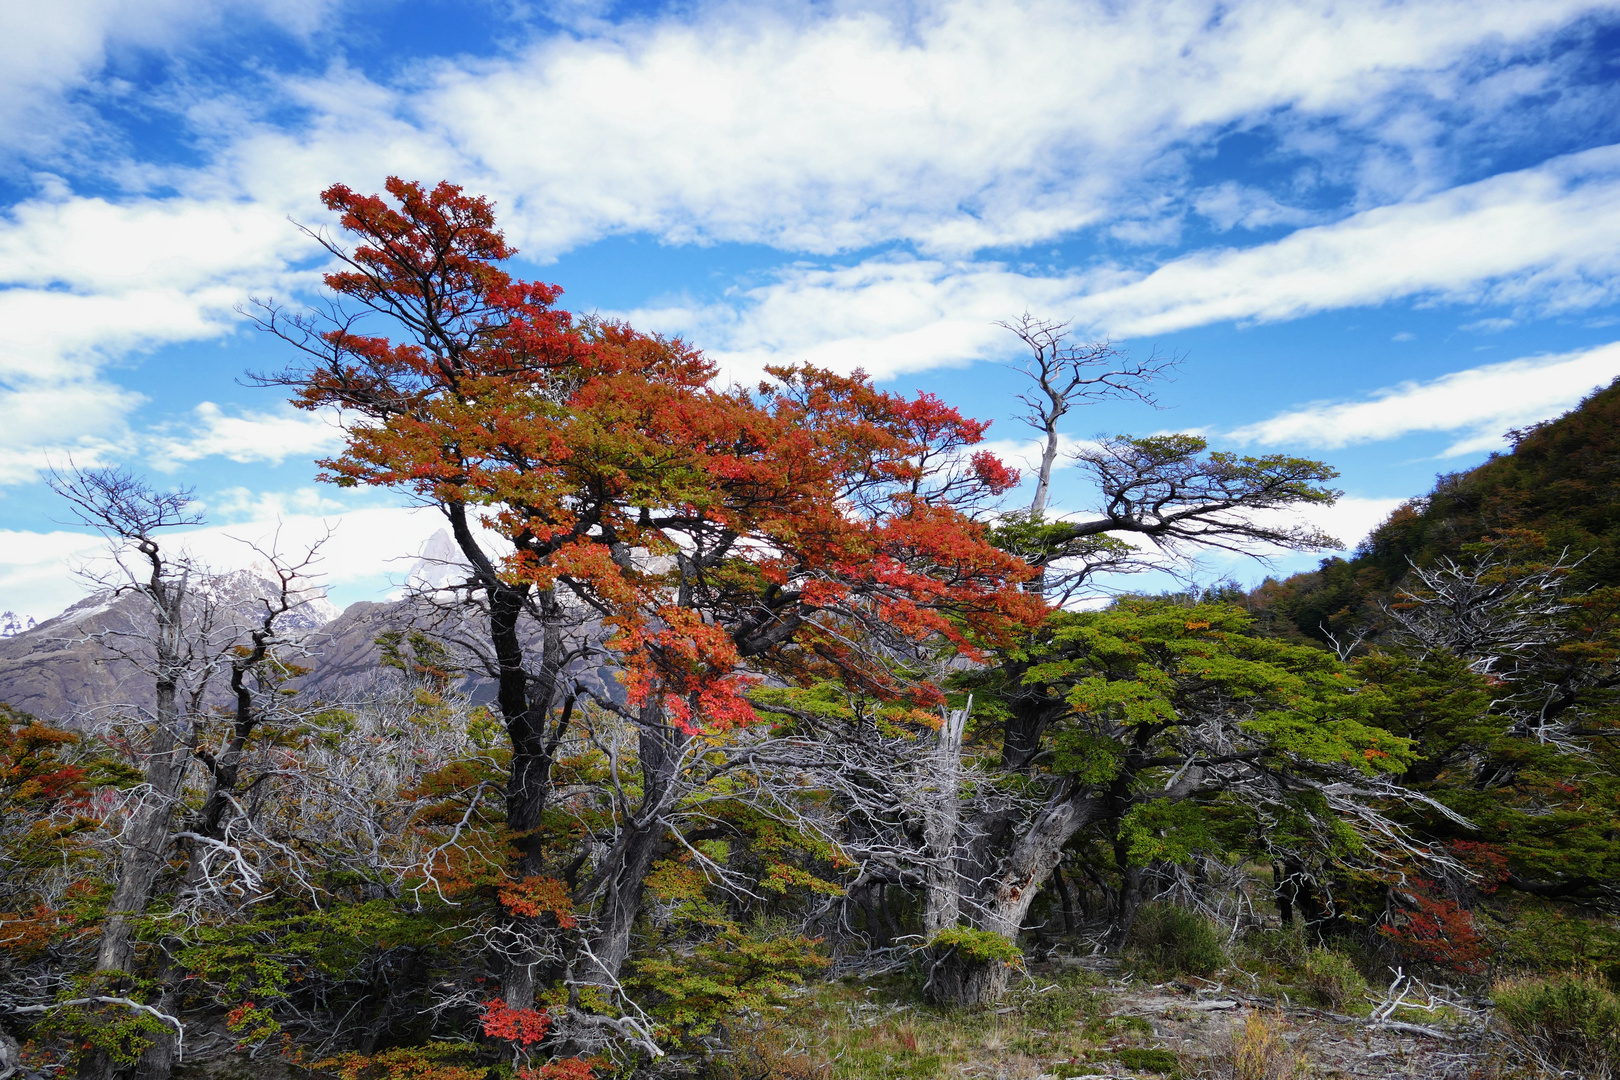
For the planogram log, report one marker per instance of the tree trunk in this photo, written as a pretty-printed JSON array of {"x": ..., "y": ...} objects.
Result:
[
  {"x": 1027, "y": 866},
  {"x": 147, "y": 836},
  {"x": 149, "y": 832},
  {"x": 618, "y": 884},
  {"x": 1126, "y": 907},
  {"x": 1284, "y": 895},
  {"x": 942, "y": 822},
  {"x": 1002, "y": 904},
  {"x": 956, "y": 981}
]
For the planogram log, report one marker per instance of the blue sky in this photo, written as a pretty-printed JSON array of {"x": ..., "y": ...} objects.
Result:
[{"x": 1378, "y": 233}]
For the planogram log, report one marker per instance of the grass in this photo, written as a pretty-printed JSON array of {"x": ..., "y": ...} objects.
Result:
[{"x": 883, "y": 1031}]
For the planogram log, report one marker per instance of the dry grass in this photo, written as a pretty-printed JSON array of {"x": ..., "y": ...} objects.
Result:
[{"x": 1255, "y": 1049}]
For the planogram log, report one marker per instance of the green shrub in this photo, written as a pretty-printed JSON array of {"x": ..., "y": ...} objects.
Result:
[
  {"x": 1331, "y": 980},
  {"x": 1542, "y": 940},
  {"x": 1172, "y": 940},
  {"x": 981, "y": 946},
  {"x": 1563, "y": 1022}
]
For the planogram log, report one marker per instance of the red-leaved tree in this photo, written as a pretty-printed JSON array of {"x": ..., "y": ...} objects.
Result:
[{"x": 618, "y": 507}]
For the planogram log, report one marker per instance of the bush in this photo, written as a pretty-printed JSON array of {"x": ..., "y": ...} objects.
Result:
[
  {"x": 1565, "y": 1022},
  {"x": 1331, "y": 980},
  {"x": 1149, "y": 1060},
  {"x": 1173, "y": 940}
]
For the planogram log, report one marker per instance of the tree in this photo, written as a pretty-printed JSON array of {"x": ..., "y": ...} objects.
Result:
[
  {"x": 694, "y": 538},
  {"x": 1154, "y": 714},
  {"x": 190, "y": 637},
  {"x": 1068, "y": 373},
  {"x": 133, "y": 516},
  {"x": 1169, "y": 489}
]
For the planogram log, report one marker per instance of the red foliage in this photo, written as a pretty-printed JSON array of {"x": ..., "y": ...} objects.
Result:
[
  {"x": 815, "y": 498},
  {"x": 1436, "y": 930},
  {"x": 522, "y": 1026},
  {"x": 1486, "y": 860}
]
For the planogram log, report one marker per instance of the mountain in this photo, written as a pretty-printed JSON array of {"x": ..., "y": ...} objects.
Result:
[
  {"x": 69, "y": 666},
  {"x": 95, "y": 654}
]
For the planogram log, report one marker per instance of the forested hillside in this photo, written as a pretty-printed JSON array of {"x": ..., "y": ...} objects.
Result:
[
  {"x": 1560, "y": 485},
  {"x": 791, "y": 753}
]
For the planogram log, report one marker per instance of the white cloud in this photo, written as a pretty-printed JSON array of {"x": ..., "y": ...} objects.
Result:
[
  {"x": 1230, "y": 204},
  {"x": 1545, "y": 236},
  {"x": 47, "y": 51},
  {"x": 245, "y": 437},
  {"x": 84, "y": 282},
  {"x": 936, "y": 124},
  {"x": 1479, "y": 404},
  {"x": 886, "y": 316}
]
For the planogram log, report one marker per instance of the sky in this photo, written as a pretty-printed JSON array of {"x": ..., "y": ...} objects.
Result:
[{"x": 1378, "y": 234}]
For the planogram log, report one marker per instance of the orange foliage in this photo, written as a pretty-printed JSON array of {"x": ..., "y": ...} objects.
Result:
[
  {"x": 536, "y": 895},
  {"x": 815, "y": 496}
]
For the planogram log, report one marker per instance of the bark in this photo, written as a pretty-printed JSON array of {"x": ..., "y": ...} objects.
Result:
[
  {"x": 958, "y": 982},
  {"x": 1127, "y": 905},
  {"x": 1029, "y": 863},
  {"x": 942, "y": 824},
  {"x": 617, "y": 886},
  {"x": 1003, "y": 902}
]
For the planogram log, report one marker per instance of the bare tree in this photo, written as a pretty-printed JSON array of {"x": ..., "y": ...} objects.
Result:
[
  {"x": 194, "y": 634},
  {"x": 132, "y": 516},
  {"x": 1068, "y": 373}
]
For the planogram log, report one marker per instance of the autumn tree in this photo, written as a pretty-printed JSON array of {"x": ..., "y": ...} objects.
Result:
[{"x": 617, "y": 506}]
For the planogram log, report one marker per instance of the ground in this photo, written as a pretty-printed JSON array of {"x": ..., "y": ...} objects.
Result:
[{"x": 1085, "y": 1019}]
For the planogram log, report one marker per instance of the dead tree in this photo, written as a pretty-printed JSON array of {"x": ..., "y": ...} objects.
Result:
[{"x": 1068, "y": 373}]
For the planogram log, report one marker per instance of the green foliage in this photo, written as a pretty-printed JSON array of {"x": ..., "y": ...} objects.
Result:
[
  {"x": 1155, "y": 665},
  {"x": 1569, "y": 1021},
  {"x": 1174, "y": 940},
  {"x": 121, "y": 1033},
  {"x": 695, "y": 989},
  {"x": 1146, "y": 1059},
  {"x": 1535, "y": 937},
  {"x": 289, "y": 942},
  {"x": 1165, "y": 831},
  {"x": 1089, "y": 758}
]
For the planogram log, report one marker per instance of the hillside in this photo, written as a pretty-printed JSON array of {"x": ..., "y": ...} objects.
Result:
[{"x": 1561, "y": 483}]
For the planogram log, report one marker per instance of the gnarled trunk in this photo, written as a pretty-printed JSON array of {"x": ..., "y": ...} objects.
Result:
[
  {"x": 957, "y": 977},
  {"x": 957, "y": 981}
]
